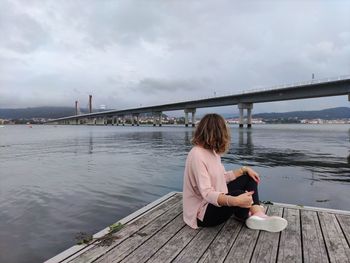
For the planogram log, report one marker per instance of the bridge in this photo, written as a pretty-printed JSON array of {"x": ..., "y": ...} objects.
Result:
[{"x": 245, "y": 100}]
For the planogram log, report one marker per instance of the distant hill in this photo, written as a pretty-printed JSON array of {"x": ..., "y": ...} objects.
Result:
[
  {"x": 58, "y": 112},
  {"x": 39, "y": 112},
  {"x": 46, "y": 113},
  {"x": 327, "y": 114}
]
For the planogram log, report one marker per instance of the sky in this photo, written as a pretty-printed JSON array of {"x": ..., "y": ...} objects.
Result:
[{"x": 129, "y": 53}]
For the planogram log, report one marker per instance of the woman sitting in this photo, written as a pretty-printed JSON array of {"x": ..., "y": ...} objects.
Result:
[{"x": 211, "y": 195}]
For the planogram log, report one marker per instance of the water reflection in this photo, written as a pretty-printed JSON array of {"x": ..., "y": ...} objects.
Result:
[
  {"x": 188, "y": 137},
  {"x": 96, "y": 171},
  {"x": 322, "y": 166},
  {"x": 348, "y": 158},
  {"x": 245, "y": 147},
  {"x": 91, "y": 143}
]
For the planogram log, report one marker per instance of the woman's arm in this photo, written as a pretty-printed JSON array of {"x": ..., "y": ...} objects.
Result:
[
  {"x": 244, "y": 200},
  {"x": 231, "y": 175}
]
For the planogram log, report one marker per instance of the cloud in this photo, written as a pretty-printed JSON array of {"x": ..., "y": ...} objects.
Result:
[
  {"x": 128, "y": 53},
  {"x": 20, "y": 32},
  {"x": 149, "y": 85}
]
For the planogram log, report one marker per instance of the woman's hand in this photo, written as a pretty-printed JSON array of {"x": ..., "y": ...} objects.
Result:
[
  {"x": 244, "y": 200},
  {"x": 251, "y": 173}
]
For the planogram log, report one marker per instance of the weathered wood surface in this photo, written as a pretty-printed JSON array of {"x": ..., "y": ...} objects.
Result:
[
  {"x": 344, "y": 221},
  {"x": 314, "y": 249},
  {"x": 160, "y": 235},
  {"x": 198, "y": 245},
  {"x": 152, "y": 245},
  {"x": 337, "y": 246},
  {"x": 290, "y": 243},
  {"x": 243, "y": 247},
  {"x": 135, "y": 240},
  {"x": 168, "y": 252},
  {"x": 219, "y": 248},
  {"x": 96, "y": 251},
  {"x": 267, "y": 246}
]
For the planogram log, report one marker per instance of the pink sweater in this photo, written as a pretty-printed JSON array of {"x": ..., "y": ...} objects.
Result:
[{"x": 204, "y": 179}]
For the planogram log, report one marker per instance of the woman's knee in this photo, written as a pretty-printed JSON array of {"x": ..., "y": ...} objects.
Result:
[{"x": 236, "y": 192}]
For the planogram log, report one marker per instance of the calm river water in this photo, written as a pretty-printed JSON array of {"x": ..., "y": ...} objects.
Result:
[{"x": 56, "y": 181}]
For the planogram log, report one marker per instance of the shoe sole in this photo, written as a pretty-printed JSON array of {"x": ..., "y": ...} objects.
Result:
[{"x": 270, "y": 224}]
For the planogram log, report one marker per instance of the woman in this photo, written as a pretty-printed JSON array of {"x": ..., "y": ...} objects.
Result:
[{"x": 210, "y": 194}]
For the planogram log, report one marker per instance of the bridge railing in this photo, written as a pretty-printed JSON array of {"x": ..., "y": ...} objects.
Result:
[
  {"x": 270, "y": 88},
  {"x": 296, "y": 84},
  {"x": 274, "y": 87}
]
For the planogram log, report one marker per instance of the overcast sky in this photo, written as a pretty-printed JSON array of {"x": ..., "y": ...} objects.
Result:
[{"x": 132, "y": 53}]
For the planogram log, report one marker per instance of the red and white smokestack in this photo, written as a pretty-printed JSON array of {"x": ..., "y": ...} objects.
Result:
[
  {"x": 76, "y": 107},
  {"x": 90, "y": 103}
]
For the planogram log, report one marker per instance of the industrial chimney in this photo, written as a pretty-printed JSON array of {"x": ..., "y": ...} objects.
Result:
[
  {"x": 76, "y": 107},
  {"x": 90, "y": 103}
]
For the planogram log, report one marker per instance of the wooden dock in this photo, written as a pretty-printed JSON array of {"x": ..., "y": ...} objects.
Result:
[{"x": 157, "y": 233}]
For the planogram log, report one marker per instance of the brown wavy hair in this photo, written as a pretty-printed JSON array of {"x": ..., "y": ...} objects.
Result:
[{"x": 212, "y": 133}]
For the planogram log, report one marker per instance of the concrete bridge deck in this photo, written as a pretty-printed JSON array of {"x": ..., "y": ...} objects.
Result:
[
  {"x": 303, "y": 90},
  {"x": 157, "y": 233}
]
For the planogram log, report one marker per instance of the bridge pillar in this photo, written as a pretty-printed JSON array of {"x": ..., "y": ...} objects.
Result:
[
  {"x": 160, "y": 119},
  {"x": 154, "y": 119},
  {"x": 249, "y": 117},
  {"x": 186, "y": 118},
  {"x": 194, "y": 118},
  {"x": 241, "y": 117},
  {"x": 132, "y": 120},
  {"x": 137, "y": 120},
  {"x": 349, "y": 97},
  {"x": 100, "y": 121},
  {"x": 193, "y": 111},
  {"x": 248, "y": 107},
  {"x": 123, "y": 120}
]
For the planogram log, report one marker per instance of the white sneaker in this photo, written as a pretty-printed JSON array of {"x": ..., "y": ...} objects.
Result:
[{"x": 270, "y": 223}]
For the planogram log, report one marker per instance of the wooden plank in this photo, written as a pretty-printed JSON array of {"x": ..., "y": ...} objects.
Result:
[
  {"x": 313, "y": 208},
  {"x": 221, "y": 245},
  {"x": 290, "y": 243},
  {"x": 157, "y": 233},
  {"x": 195, "y": 249},
  {"x": 95, "y": 251},
  {"x": 119, "y": 252},
  {"x": 344, "y": 222},
  {"x": 337, "y": 246},
  {"x": 242, "y": 249},
  {"x": 267, "y": 246},
  {"x": 152, "y": 245},
  {"x": 171, "y": 249},
  {"x": 76, "y": 250},
  {"x": 314, "y": 249}
]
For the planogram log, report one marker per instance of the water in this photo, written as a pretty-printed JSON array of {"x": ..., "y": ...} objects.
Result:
[{"x": 56, "y": 181}]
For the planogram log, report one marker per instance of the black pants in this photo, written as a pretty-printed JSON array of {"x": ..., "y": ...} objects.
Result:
[{"x": 216, "y": 215}]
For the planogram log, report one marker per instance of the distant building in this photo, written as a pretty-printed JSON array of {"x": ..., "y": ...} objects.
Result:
[
  {"x": 321, "y": 121},
  {"x": 236, "y": 121}
]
